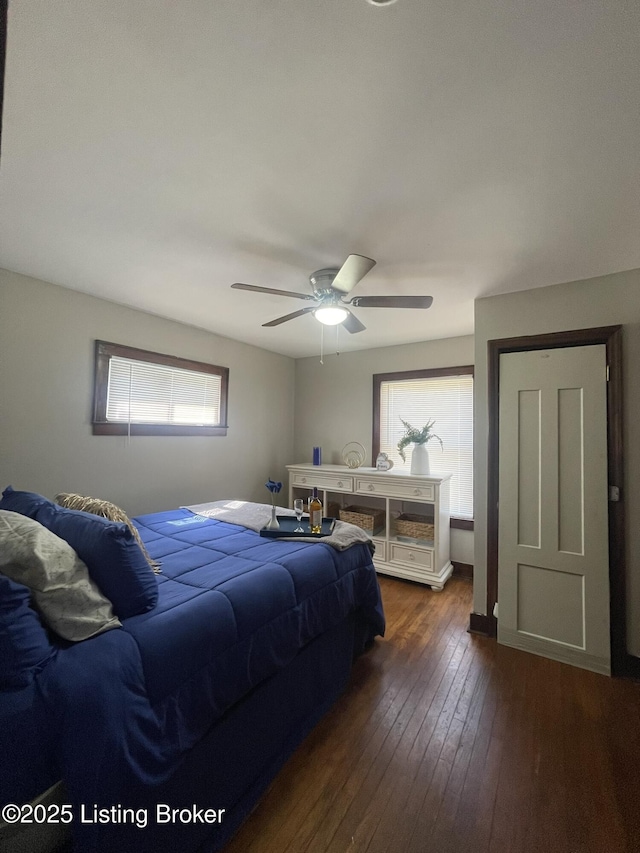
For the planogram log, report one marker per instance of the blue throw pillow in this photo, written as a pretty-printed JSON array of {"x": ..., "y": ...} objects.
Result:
[
  {"x": 24, "y": 644},
  {"x": 26, "y": 503},
  {"x": 114, "y": 559}
]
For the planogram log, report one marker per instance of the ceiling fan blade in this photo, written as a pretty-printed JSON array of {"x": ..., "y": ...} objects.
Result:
[
  {"x": 351, "y": 272},
  {"x": 289, "y": 317},
  {"x": 392, "y": 301},
  {"x": 256, "y": 289},
  {"x": 352, "y": 324}
]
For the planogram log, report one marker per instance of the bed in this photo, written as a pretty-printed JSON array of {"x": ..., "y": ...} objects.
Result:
[{"x": 167, "y": 730}]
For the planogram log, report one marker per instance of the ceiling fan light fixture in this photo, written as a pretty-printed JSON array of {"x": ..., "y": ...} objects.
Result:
[{"x": 331, "y": 315}]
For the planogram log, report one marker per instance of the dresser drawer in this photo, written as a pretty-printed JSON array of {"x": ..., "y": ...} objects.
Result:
[
  {"x": 408, "y": 491},
  {"x": 408, "y": 556},
  {"x": 330, "y": 482}
]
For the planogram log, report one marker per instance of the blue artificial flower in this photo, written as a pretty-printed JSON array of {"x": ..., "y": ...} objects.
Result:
[{"x": 273, "y": 486}]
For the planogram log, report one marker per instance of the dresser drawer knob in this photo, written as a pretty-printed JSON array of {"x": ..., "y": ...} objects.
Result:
[
  {"x": 371, "y": 487},
  {"x": 340, "y": 484},
  {"x": 417, "y": 492},
  {"x": 412, "y": 556},
  {"x": 304, "y": 480}
]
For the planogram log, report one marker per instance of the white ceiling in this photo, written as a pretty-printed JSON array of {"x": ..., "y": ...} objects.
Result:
[{"x": 156, "y": 151}]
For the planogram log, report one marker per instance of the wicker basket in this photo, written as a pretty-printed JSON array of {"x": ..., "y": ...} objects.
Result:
[
  {"x": 369, "y": 519},
  {"x": 414, "y": 526}
]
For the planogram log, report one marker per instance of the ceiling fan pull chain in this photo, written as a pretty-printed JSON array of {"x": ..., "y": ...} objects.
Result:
[
  {"x": 337, "y": 337},
  {"x": 321, "y": 343}
]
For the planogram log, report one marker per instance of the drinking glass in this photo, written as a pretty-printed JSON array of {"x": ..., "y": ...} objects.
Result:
[{"x": 298, "y": 508}]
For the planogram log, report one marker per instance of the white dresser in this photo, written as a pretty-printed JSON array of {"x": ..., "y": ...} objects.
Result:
[{"x": 394, "y": 497}]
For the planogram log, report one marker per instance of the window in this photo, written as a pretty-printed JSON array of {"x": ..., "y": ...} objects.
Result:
[
  {"x": 146, "y": 393},
  {"x": 445, "y": 395}
]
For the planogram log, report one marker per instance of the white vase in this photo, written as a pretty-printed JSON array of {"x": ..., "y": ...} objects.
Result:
[
  {"x": 274, "y": 524},
  {"x": 420, "y": 460}
]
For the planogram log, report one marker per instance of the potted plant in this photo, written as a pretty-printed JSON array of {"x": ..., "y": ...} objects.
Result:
[{"x": 419, "y": 437}]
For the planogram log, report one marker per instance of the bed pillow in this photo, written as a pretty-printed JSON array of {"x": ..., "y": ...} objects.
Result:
[
  {"x": 24, "y": 643},
  {"x": 26, "y": 503},
  {"x": 105, "y": 509},
  {"x": 113, "y": 557},
  {"x": 70, "y": 602}
]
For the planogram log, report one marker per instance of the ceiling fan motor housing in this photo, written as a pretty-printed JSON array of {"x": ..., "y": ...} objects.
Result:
[{"x": 322, "y": 280}]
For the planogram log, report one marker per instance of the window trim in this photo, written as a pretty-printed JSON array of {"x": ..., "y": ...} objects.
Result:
[
  {"x": 104, "y": 350},
  {"x": 399, "y": 376}
]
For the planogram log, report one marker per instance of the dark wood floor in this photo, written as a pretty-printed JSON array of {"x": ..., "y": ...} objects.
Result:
[{"x": 448, "y": 743}]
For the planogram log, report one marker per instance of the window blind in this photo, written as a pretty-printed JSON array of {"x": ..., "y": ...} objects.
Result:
[
  {"x": 448, "y": 400},
  {"x": 142, "y": 392}
]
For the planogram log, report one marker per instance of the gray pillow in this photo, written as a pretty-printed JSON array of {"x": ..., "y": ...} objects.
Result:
[{"x": 69, "y": 601}]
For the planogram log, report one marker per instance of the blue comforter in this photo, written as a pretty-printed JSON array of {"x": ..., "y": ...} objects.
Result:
[{"x": 233, "y": 609}]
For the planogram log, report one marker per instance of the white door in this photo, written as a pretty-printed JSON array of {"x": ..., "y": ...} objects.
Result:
[{"x": 553, "y": 558}]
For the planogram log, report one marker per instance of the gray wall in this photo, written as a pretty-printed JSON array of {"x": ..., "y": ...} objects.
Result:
[
  {"x": 334, "y": 401},
  {"x": 604, "y": 301},
  {"x": 47, "y": 336}
]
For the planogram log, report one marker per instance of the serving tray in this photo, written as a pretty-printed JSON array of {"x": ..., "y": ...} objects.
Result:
[{"x": 288, "y": 524}]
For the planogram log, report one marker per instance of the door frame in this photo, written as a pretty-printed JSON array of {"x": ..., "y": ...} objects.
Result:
[{"x": 622, "y": 663}]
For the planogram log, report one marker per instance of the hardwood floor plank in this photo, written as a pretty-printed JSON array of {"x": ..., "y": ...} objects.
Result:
[
  {"x": 436, "y": 734},
  {"x": 433, "y": 761},
  {"x": 446, "y": 742},
  {"x": 359, "y": 787},
  {"x": 456, "y": 815},
  {"x": 384, "y": 713},
  {"x": 419, "y": 735}
]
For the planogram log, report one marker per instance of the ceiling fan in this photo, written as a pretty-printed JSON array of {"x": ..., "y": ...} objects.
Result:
[{"x": 329, "y": 285}]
